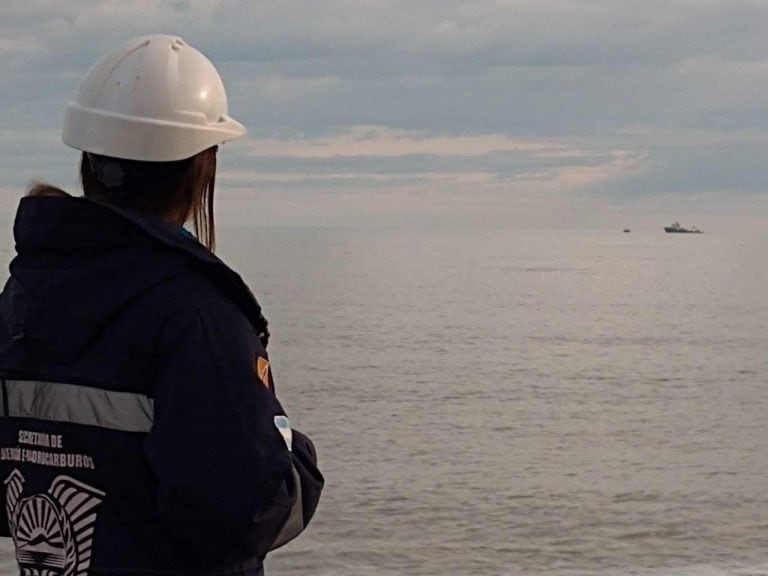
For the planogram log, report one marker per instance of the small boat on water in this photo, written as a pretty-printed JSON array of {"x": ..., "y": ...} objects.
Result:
[{"x": 676, "y": 228}]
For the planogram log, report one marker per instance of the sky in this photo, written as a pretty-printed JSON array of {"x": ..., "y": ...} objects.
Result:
[{"x": 529, "y": 113}]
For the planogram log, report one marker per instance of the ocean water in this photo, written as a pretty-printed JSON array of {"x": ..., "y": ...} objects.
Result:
[{"x": 508, "y": 403}]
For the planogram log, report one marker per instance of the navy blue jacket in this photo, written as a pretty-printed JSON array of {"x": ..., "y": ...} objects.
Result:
[{"x": 140, "y": 431}]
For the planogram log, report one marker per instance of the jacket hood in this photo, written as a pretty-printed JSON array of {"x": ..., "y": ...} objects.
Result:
[{"x": 79, "y": 263}]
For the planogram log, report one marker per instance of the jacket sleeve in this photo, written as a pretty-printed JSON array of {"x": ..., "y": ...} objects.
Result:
[{"x": 234, "y": 481}]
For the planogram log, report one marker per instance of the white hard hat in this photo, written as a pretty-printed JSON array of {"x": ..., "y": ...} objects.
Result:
[{"x": 155, "y": 99}]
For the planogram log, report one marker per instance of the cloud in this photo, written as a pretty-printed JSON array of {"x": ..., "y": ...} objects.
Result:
[
  {"x": 383, "y": 141},
  {"x": 12, "y": 49},
  {"x": 613, "y": 98},
  {"x": 399, "y": 161},
  {"x": 525, "y": 67}
]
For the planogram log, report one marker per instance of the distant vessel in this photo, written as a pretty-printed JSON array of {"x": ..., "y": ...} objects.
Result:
[
  {"x": 626, "y": 230},
  {"x": 679, "y": 229}
]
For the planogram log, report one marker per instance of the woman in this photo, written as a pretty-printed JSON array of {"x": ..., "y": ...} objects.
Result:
[{"x": 140, "y": 431}]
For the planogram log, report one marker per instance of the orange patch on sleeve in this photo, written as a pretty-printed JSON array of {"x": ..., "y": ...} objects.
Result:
[{"x": 262, "y": 371}]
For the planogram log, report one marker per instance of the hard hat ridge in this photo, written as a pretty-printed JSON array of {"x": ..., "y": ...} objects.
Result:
[{"x": 155, "y": 99}]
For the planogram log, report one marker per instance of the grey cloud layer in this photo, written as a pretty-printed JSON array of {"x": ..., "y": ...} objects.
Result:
[{"x": 590, "y": 72}]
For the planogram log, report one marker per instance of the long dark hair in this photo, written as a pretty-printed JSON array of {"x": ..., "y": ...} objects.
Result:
[{"x": 177, "y": 191}]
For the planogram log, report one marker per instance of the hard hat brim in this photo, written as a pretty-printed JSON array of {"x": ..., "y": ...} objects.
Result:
[{"x": 145, "y": 139}]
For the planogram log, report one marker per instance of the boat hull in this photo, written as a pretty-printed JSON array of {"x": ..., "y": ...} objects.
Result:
[{"x": 681, "y": 231}]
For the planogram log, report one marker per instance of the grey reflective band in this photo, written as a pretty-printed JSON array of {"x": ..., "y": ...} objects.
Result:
[{"x": 75, "y": 404}]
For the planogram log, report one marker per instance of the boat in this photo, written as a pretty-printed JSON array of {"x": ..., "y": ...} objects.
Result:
[{"x": 676, "y": 228}]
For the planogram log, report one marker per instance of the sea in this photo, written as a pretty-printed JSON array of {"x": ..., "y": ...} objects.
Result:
[{"x": 506, "y": 402}]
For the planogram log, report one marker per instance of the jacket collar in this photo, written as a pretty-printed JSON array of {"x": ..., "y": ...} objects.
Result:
[{"x": 60, "y": 212}]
